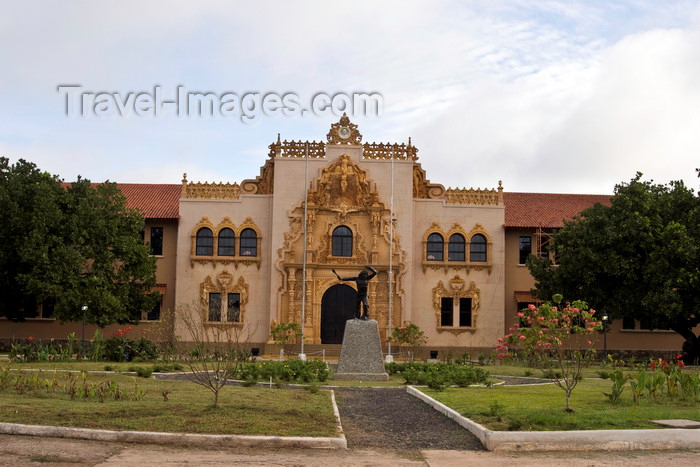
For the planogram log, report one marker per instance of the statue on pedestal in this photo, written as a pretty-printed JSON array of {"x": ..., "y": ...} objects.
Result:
[{"x": 362, "y": 281}]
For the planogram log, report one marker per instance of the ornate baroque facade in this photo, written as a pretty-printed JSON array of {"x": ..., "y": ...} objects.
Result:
[{"x": 242, "y": 255}]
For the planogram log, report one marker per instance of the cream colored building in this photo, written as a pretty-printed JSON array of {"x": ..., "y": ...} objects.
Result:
[
  {"x": 236, "y": 251},
  {"x": 241, "y": 249}
]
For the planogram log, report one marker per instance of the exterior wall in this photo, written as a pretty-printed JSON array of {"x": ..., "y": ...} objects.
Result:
[
  {"x": 487, "y": 320},
  {"x": 276, "y": 285},
  {"x": 192, "y": 274},
  {"x": 165, "y": 274},
  {"x": 517, "y": 276}
]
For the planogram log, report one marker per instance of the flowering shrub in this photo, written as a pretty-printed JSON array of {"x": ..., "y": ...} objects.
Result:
[
  {"x": 120, "y": 347},
  {"x": 34, "y": 350},
  {"x": 666, "y": 379},
  {"x": 556, "y": 340}
]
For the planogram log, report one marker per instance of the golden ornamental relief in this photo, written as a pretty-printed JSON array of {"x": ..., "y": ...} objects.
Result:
[
  {"x": 224, "y": 286},
  {"x": 359, "y": 250},
  {"x": 208, "y": 190},
  {"x": 298, "y": 149},
  {"x": 479, "y": 229},
  {"x": 203, "y": 222},
  {"x": 264, "y": 183},
  {"x": 449, "y": 259},
  {"x": 457, "y": 289},
  {"x": 344, "y": 132},
  {"x": 225, "y": 279},
  {"x": 385, "y": 151},
  {"x": 422, "y": 188},
  {"x": 342, "y": 183},
  {"x": 475, "y": 197},
  {"x": 225, "y": 224}
]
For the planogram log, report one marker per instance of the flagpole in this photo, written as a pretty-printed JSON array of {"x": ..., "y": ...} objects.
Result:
[
  {"x": 389, "y": 357},
  {"x": 302, "y": 355}
]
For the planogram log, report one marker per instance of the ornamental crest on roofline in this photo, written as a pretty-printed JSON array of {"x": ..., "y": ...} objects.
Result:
[{"x": 344, "y": 132}]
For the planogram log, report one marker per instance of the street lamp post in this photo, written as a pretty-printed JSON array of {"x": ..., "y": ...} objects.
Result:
[
  {"x": 605, "y": 333},
  {"x": 82, "y": 343}
]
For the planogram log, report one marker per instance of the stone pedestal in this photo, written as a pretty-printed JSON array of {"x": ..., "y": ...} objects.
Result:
[{"x": 361, "y": 353}]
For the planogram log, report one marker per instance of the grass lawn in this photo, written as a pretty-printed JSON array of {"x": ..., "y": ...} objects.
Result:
[
  {"x": 541, "y": 408},
  {"x": 241, "y": 411}
]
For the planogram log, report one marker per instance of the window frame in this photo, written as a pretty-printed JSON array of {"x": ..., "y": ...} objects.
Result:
[
  {"x": 231, "y": 247},
  {"x": 453, "y": 248},
  {"x": 431, "y": 247},
  {"x": 248, "y": 243},
  {"x": 199, "y": 248},
  {"x": 156, "y": 242},
  {"x": 472, "y": 251},
  {"x": 342, "y": 242}
]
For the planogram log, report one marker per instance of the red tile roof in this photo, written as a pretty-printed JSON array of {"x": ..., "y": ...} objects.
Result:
[
  {"x": 546, "y": 209},
  {"x": 154, "y": 201}
]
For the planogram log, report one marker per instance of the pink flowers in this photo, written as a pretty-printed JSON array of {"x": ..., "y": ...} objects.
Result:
[
  {"x": 30, "y": 338},
  {"x": 521, "y": 337}
]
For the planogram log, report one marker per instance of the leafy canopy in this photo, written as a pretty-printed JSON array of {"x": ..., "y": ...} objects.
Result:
[
  {"x": 71, "y": 245},
  {"x": 638, "y": 257}
]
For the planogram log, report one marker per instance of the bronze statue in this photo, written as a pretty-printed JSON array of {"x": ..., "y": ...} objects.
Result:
[{"x": 362, "y": 281}]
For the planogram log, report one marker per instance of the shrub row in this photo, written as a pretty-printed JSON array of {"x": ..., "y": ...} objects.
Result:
[
  {"x": 288, "y": 371},
  {"x": 439, "y": 376}
]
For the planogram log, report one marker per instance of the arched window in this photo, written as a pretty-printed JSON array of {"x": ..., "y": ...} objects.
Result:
[
  {"x": 205, "y": 242},
  {"x": 227, "y": 242},
  {"x": 342, "y": 241},
  {"x": 435, "y": 249},
  {"x": 477, "y": 249},
  {"x": 249, "y": 243},
  {"x": 455, "y": 248}
]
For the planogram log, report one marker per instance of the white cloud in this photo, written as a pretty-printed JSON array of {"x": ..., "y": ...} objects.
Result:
[{"x": 525, "y": 92}]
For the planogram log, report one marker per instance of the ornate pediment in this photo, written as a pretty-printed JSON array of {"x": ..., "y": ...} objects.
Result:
[
  {"x": 344, "y": 132},
  {"x": 343, "y": 184},
  {"x": 422, "y": 188}
]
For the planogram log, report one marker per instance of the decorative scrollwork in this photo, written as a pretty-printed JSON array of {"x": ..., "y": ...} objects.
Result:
[
  {"x": 344, "y": 132},
  {"x": 208, "y": 190},
  {"x": 475, "y": 197}
]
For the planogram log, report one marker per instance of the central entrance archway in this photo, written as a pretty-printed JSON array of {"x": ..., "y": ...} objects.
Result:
[{"x": 337, "y": 306}]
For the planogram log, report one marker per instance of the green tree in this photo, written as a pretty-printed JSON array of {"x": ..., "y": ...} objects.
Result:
[
  {"x": 638, "y": 257},
  {"x": 71, "y": 244},
  {"x": 408, "y": 335}
]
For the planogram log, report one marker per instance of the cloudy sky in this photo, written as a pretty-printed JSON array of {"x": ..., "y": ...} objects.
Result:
[{"x": 548, "y": 96}]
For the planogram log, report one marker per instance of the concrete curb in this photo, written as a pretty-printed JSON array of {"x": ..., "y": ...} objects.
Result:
[
  {"x": 180, "y": 439},
  {"x": 603, "y": 440}
]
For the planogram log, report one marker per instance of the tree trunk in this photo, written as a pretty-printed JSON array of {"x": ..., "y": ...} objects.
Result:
[{"x": 691, "y": 346}]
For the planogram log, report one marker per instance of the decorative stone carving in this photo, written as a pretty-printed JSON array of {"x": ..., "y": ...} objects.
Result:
[
  {"x": 456, "y": 291},
  {"x": 343, "y": 183},
  {"x": 476, "y": 197},
  {"x": 344, "y": 132},
  {"x": 208, "y": 190},
  {"x": 384, "y": 151},
  {"x": 225, "y": 285},
  {"x": 466, "y": 264},
  {"x": 422, "y": 188},
  {"x": 264, "y": 183},
  {"x": 215, "y": 259}
]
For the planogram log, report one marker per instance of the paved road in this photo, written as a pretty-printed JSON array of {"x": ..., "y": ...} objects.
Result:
[{"x": 23, "y": 450}]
